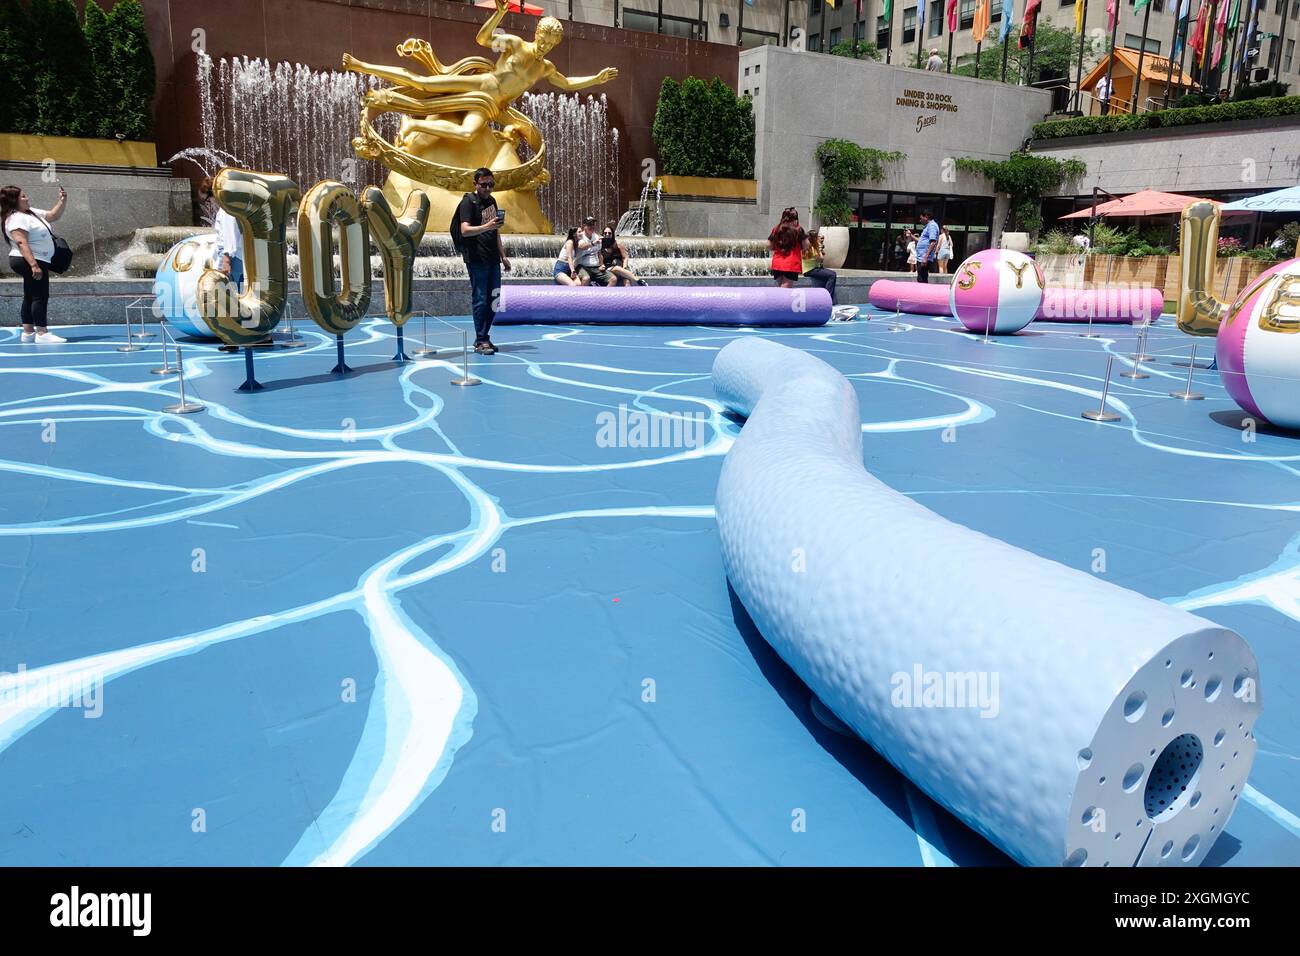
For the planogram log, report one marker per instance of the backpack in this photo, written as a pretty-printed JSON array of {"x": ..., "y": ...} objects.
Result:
[{"x": 457, "y": 240}]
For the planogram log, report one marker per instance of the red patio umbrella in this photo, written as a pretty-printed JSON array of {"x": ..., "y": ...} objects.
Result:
[
  {"x": 1148, "y": 202},
  {"x": 515, "y": 7}
]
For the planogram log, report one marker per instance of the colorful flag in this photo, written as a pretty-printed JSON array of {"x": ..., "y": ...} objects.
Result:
[
  {"x": 829, "y": 3},
  {"x": 1031, "y": 23},
  {"x": 1196, "y": 32},
  {"x": 889, "y": 15},
  {"x": 1112, "y": 11},
  {"x": 1139, "y": 5},
  {"x": 1008, "y": 11},
  {"x": 1181, "y": 32},
  {"x": 920, "y": 18},
  {"x": 1079, "y": 7},
  {"x": 980, "y": 26},
  {"x": 952, "y": 16},
  {"x": 1220, "y": 23}
]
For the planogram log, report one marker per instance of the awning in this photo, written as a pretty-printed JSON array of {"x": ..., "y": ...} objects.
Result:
[{"x": 1281, "y": 200}]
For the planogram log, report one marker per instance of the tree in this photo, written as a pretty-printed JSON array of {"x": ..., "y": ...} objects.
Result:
[
  {"x": 1056, "y": 52},
  {"x": 63, "y": 81},
  {"x": 99, "y": 43},
  {"x": 134, "y": 69},
  {"x": 857, "y": 49},
  {"x": 1025, "y": 178},
  {"x": 18, "y": 104},
  {"x": 703, "y": 129}
]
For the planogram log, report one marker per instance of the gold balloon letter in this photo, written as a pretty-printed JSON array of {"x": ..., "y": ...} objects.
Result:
[
  {"x": 327, "y": 204},
  {"x": 261, "y": 202},
  {"x": 398, "y": 240},
  {"x": 967, "y": 277}
]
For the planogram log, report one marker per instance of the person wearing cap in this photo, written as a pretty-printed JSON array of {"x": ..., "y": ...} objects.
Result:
[
  {"x": 935, "y": 63},
  {"x": 589, "y": 259}
]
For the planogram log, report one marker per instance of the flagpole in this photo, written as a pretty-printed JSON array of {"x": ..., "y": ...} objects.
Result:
[
  {"x": 1207, "y": 47},
  {"x": 1281, "y": 43},
  {"x": 1005, "y": 44},
  {"x": 920, "y": 25},
  {"x": 1187, "y": 29},
  {"x": 1033, "y": 40},
  {"x": 1137, "y": 82},
  {"x": 1232, "y": 59},
  {"x": 979, "y": 45},
  {"x": 1173, "y": 43},
  {"x": 1110, "y": 67},
  {"x": 1078, "y": 77},
  {"x": 889, "y": 38}
]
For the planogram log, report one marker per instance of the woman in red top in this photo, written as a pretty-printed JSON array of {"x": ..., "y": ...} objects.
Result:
[{"x": 787, "y": 242}]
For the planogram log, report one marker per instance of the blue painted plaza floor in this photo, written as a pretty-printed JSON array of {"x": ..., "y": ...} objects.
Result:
[{"x": 386, "y": 620}]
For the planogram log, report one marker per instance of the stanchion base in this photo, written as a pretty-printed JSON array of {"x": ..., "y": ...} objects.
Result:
[
  {"x": 421, "y": 353},
  {"x": 470, "y": 380},
  {"x": 189, "y": 408},
  {"x": 1100, "y": 416},
  {"x": 896, "y": 328},
  {"x": 163, "y": 371},
  {"x": 251, "y": 385},
  {"x": 130, "y": 348},
  {"x": 292, "y": 343},
  {"x": 1134, "y": 375},
  {"x": 341, "y": 369},
  {"x": 1193, "y": 365},
  {"x": 1187, "y": 396},
  {"x": 1089, "y": 335},
  {"x": 143, "y": 335},
  {"x": 1143, "y": 358}
]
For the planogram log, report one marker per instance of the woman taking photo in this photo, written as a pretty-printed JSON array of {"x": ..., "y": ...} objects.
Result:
[
  {"x": 787, "y": 242},
  {"x": 565, "y": 270},
  {"x": 31, "y": 247},
  {"x": 616, "y": 258}
]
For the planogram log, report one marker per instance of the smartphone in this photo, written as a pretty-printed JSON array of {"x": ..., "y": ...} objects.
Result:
[{"x": 501, "y": 215}]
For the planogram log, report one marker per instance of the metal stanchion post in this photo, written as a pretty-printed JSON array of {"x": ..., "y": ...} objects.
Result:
[
  {"x": 130, "y": 346},
  {"x": 142, "y": 334},
  {"x": 1136, "y": 370},
  {"x": 467, "y": 379},
  {"x": 898, "y": 312},
  {"x": 1141, "y": 354},
  {"x": 988, "y": 326},
  {"x": 424, "y": 351},
  {"x": 291, "y": 338},
  {"x": 1187, "y": 395},
  {"x": 167, "y": 368},
  {"x": 1101, "y": 415},
  {"x": 182, "y": 407}
]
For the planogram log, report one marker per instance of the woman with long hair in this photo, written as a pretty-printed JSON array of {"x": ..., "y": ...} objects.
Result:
[
  {"x": 945, "y": 249},
  {"x": 205, "y": 206},
  {"x": 31, "y": 247},
  {"x": 565, "y": 270},
  {"x": 787, "y": 242},
  {"x": 616, "y": 259}
]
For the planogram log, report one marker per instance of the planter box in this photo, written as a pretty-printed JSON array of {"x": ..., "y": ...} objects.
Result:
[
  {"x": 1150, "y": 271},
  {"x": 706, "y": 187},
  {"x": 22, "y": 148}
]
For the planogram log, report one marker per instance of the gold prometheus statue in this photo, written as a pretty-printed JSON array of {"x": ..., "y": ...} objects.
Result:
[{"x": 458, "y": 117}]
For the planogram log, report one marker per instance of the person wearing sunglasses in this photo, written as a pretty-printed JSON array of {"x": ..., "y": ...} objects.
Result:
[
  {"x": 616, "y": 259},
  {"x": 484, "y": 255}
]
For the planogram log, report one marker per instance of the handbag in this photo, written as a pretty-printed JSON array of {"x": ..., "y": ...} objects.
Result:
[{"x": 62, "y": 258}]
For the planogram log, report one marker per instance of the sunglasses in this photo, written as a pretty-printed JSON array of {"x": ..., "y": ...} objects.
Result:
[{"x": 488, "y": 185}]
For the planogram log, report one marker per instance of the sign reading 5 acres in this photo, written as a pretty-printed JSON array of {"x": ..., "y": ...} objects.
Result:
[{"x": 929, "y": 101}]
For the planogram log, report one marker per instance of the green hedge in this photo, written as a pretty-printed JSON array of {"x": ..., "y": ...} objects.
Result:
[
  {"x": 64, "y": 78},
  {"x": 1220, "y": 112},
  {"x": 704, "y": 130}
]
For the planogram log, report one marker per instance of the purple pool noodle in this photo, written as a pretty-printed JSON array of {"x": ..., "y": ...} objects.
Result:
[
  {"x": 1115, "y": 304},
  {"x": 662, "y": 305}
]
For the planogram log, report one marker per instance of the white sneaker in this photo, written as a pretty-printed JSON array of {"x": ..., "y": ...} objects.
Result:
[
  {"x": 29, "y": 337},
  {"x": 49, "y": 338}
]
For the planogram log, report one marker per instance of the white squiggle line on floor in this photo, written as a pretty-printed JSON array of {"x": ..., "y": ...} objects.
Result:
[
  {"x": 1277, "y": 587},
  {"x": 1279, "y": 814}
]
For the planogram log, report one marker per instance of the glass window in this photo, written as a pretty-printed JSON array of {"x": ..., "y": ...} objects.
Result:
[
  {"x": 834, "y": 38},
  {"x": 909, "y": 25},
  {"x": 967, "y": 14},
  {"x": 882, "y": 32},
  {"x": 1134, "y": 42},
  {"x": 814, "y": 42},
  {"x": 648, "y": 22},
  {"x": 1290, "y": 52},
  {"x": 1067, "y": 3},
  {"x": 815, "y": 7},
  {"x": 859, "y": 30},
  {"x": 934, "y": 19}
]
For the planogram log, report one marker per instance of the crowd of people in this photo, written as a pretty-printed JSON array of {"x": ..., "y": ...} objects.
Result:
[{"x": 588, "y": 259}]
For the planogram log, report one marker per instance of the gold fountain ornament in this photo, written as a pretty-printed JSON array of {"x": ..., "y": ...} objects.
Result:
[{"x": 458, "y": 117}]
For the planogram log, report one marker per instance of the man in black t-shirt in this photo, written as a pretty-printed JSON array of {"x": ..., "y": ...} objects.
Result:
[{"x": 484, "y": 255}]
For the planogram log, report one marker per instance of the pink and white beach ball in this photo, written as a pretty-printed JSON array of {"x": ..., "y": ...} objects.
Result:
[
  {"x": 1258, "y": 347},
  {"x": 998, "y": 286}
]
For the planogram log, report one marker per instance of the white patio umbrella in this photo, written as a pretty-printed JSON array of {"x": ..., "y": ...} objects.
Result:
[{"x": 1281, "y": 200}]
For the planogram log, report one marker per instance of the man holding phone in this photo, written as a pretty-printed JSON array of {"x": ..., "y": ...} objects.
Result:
[{"x": 484, "y": 254}]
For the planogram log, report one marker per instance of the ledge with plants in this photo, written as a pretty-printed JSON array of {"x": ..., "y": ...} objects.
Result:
[
  {"x": 1025, "y": 179},
  {"x": 842, "y": 163},
  {"x": 1165, "y": 119},
  {"x": 76, "y": 92}
]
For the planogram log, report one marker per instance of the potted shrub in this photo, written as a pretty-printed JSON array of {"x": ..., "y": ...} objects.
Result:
[{"x": 842, "y": 163}]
